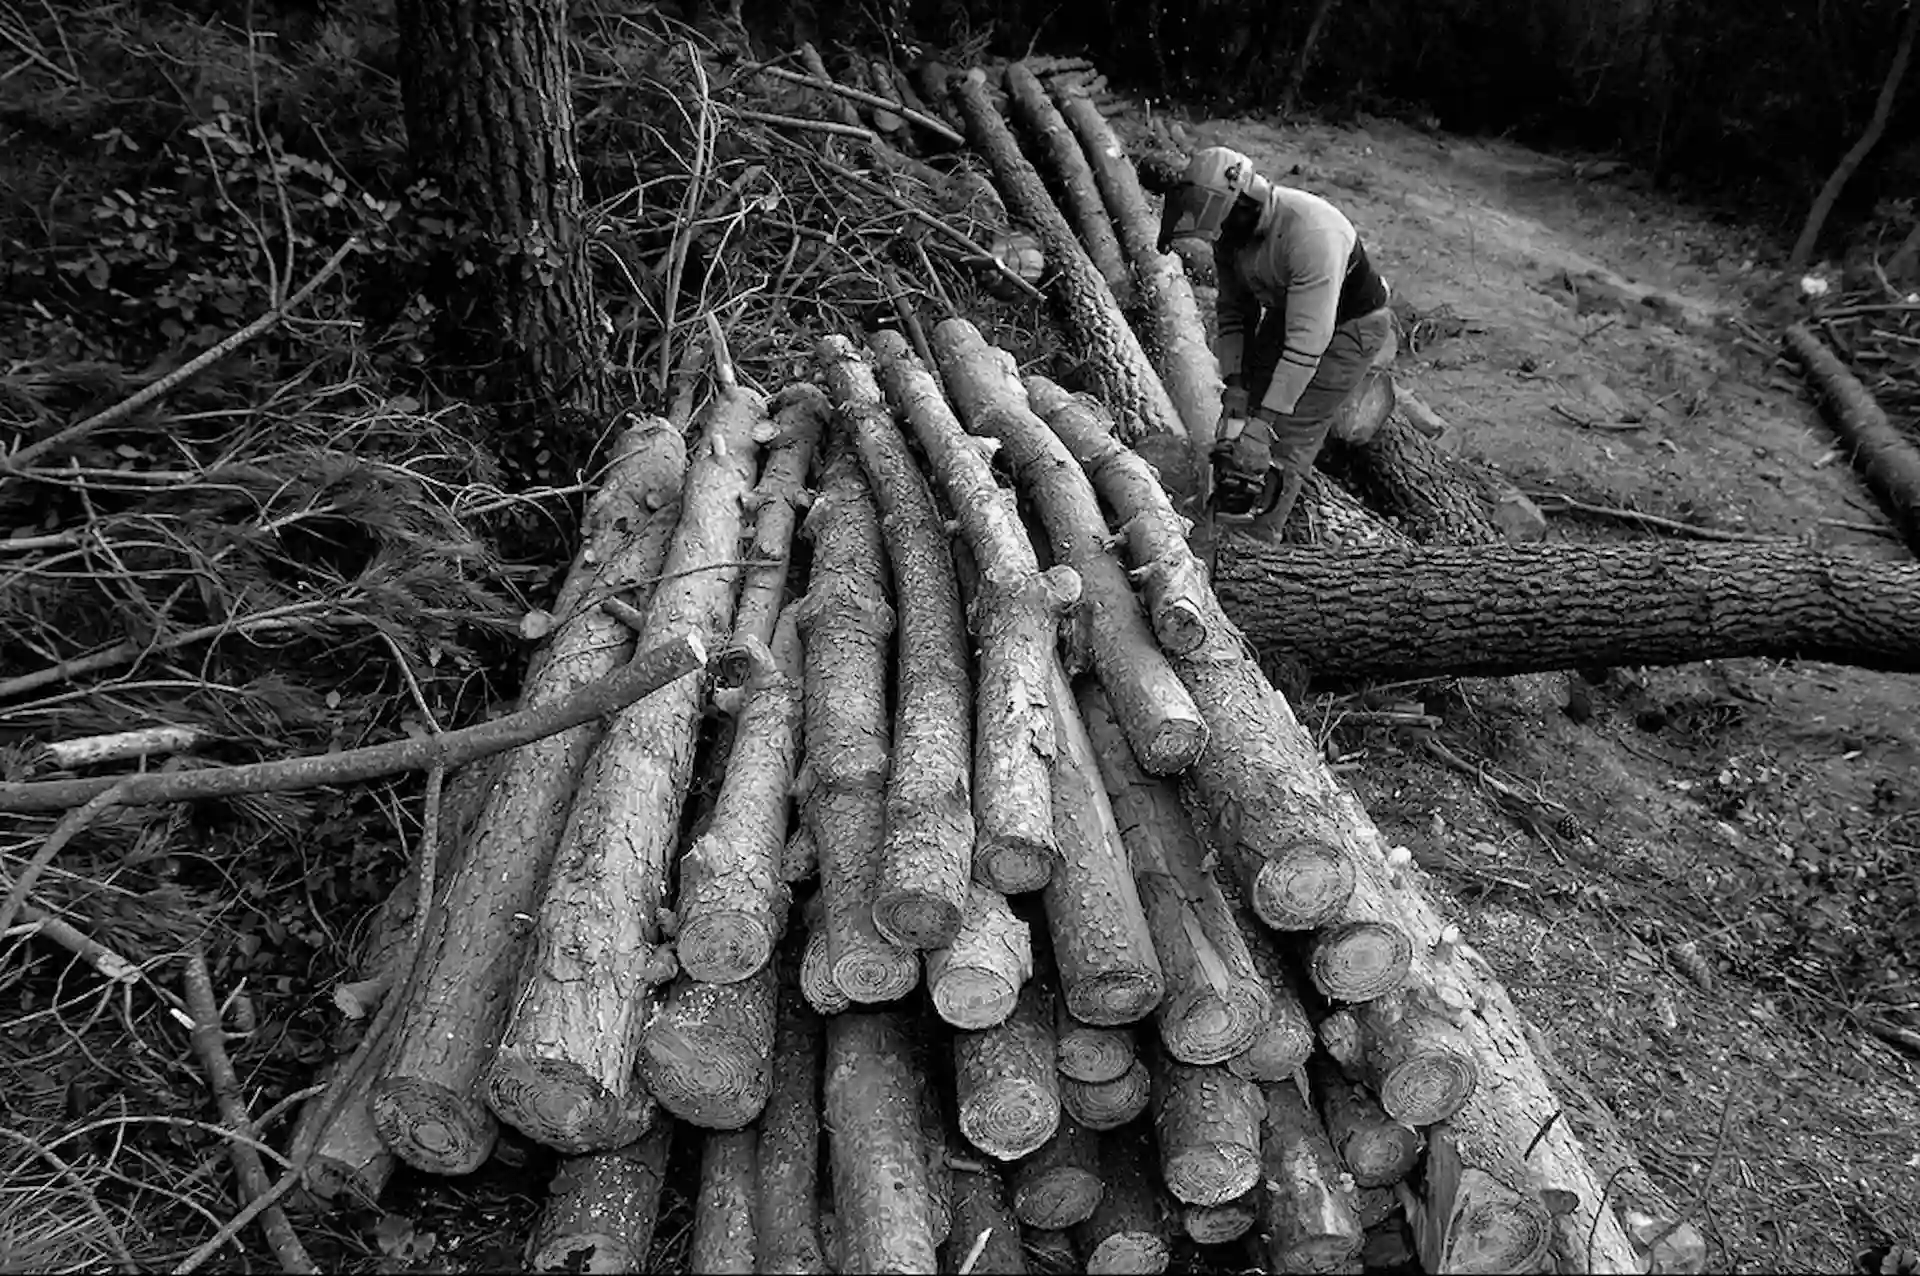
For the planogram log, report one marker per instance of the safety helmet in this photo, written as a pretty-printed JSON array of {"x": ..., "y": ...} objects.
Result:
[{"x": 1216, "y": 178}]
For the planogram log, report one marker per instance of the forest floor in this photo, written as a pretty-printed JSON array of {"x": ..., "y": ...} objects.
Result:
[{"x": 1770, "y": 817}]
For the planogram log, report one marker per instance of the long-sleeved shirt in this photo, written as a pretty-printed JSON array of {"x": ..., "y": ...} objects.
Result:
[{"x": 1298, "y": 259}]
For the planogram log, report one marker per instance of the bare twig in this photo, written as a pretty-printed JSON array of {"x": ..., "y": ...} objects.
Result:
[
  {"x": 1554, "y": 501},
  {"x": 646, "y": 672},
  {"x": 71, "y": 825},
  {"x": 226, "y": 1093},
  {"x": 92, "y": 1202},
  {"x": 921, "y": 118},
  {"x": 831, "y": 127},
  {"x": 38, "y": 58}
]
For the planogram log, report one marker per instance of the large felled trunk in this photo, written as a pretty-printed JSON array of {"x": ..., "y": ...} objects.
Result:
[
  {"x": 564, "y": 1072},
  {"x": 428, "y": 1104},
  {"x": 1435, "y": 496},
  {"x": 1060, "y": 158},
  {"x": 1494, "y": 610},
  {"x": 1117, "y": 364},
  {"x": 489, "y": 114}
]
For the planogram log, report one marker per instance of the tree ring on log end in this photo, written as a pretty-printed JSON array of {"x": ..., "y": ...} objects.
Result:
[
  {"x": 873, "y": 978},
  {"x": 1114, "y": 998},
  {"x": 1128, "y": 1254},
  {"x": 1213, "y": 1027},
  {"x": 556, "y": 1103},
  {"x": 1067, "y": 1195},
  {"x": 1094, "y": 1057},
  {"x": 723, "y": 947},
  {"x": 431, "y": 1127},
  {"x": 1493, "y": 1236},
  {"x": 1221, "y": 1224},
  {"x": 1302, "y": 885},
  {"x": 1428, "y": 1088},
  {"x": 913, "y": 919},
  {"x": 1211, "y": 1173},
  {"x": 1108, "y": 1105},
  {"x": 975, "y": 999},
  {"x": 1013, "y": 868},
  {"x": 1012, "y": 1119},
  {"x": 1174, "y": 746},
  {"x": 1359, "y": 961}
]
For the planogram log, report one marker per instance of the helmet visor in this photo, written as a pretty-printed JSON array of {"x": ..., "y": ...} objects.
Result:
[{"x": 1192, "y": 212}]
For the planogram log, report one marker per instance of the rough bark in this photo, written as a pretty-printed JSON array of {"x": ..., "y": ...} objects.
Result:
[
  {"x": 800, "y": 415},
  {"x": 1375, "y": 1148},
  {"x": 921, "y": 887},
  {"x": 428, "y": 1105},
  {"x": 1117, "y": 366},
  {"x": 800, "y": 858},
  {"x": 1109, "y": 972},
  {"x": 489, "y": 115},
  {"x": 933, "y": 1126},
  {"x": 1108, "y": 1105},
  {"x": 1885, "y": 458},
  {"x": 732, "y": 903},
  {"x": 1215, "y": 1003},
  {"x": 1221, "y": 1224},
  {"x": 1007, "y": 1088},
  {"x": 1088, "y": 1053},
  {"x": 1309, "y": 1214},
  {"x": 1406, "y": 1047},
  {"x": 1497, "y": 610},
  {"x": 817, "y": 983},
  {"x": 1128, "y": 1230},
  {"x": 975, "y": 981},
  {"x": 1176, "y": 335},
  {"x": 1207, "y": 1122},
  {"x": 848, "y": 626},
  {"x": 707, "y": 1053},
  {"x": 1468, "y": 1220},
  {"x": 1058, "y": 157},
  {"x": 724, "y": 1235},
  {"x": 787, "y": 1192},
  {"x": 882, "y": 1222},
  {"x": 1286, "y": 1039},
  {"x": 1060, "y": 1184},
  {"x": 1402, "y": 472},
  {"x": 601, "y": 1209},
  {"x": 564, "y": 1072},
  {"x": 980, "y": 1206},
  {"x": 1015, "y": 612},
  {"x": 1161, "y": 721}
]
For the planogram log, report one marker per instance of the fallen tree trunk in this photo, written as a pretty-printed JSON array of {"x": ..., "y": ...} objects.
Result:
[
  {"x": 1108, "y": 1105},
  {"x": 1159, "y": 717},
  {"x": 1426, "y": 613},
  {"x": 882, "y": 1218},
  {"x": 787, "y": 1190},
  {"x": 428, "y": 1106},
  {"x": 1016, "y": 611},
  {"x": 601, "y": 1209},
  {"x": 1215, "y": 1003},
  {"x": 1128, "y": 1229},
  {"x": 921, "y": 889},
  {"x": 1005, "y": 1082},
  {"x": 1401, "y": 472},
  {"x": 1060, "y": 158},
  {"x": 1888, "y": 462},
  {"x": 847, "y": 626},
  {"x": 724, "y": 1242},
  {"x": 1118, "y": 365},
  {"x": 564, "y": 1071},
  {"x": 1509, "y": 1113},
  {"x": 732, "y": 904},
  {"x": 975, "y": 981}
]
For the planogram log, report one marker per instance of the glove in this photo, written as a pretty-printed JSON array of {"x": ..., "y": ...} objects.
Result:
[
  {"x": 1233, "y": 404},
  {"x": 1241, "y": 459}
]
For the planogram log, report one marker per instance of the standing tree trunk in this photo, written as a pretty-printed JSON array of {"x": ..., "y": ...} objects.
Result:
[
  {"x": 1304, "y": 61},
  {"x": 489, "y": 116}
]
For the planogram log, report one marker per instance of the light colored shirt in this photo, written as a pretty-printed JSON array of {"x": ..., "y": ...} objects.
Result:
[{"x": 1297, "y": 259}]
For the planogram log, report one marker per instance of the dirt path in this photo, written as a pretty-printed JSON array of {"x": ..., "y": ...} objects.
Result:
[{"x": 1768, "y": 814}]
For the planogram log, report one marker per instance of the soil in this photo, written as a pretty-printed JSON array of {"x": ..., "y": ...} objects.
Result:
[{"x": 1764, "y": 813}]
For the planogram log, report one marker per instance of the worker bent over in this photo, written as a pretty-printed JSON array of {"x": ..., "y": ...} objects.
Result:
[{"x": 1302, "y": 316}]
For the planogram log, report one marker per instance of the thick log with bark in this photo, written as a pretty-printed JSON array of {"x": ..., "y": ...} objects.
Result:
[
  {"x": 602, "y": 1207},
  {"x": 428, "y": 1105},
  {"x": 707, "y": 1053},
  {"x": 1005, "y": 1082},
  {"x": 1431, "y": 493},
  {"x": 847, "y": 626},
  {"x": 817, "y": 983},
  {"x": 732, "y": 904},
  {"x": 1160, "y": 719},
  {"x": 980, "y": 1210},
  {"x": 564, "y": 1072},
  {"x": 1207, "y": 1122},
  {"x": 1215, "y": 1003},
  {"x": 1309, "y": 1216},
  {"x": 724, "y": 1240},
  {"x": 787, "y": 1192},
  {"x": 1060, "y": 1184},
  {"x": 1059, "y": 158},
  {"x": 1470, "y": 1220},
  {"x": 1496, "y": 610},
  {"x": 1507, "y": 1116},
  {"x": 927, "y": 858},
  {"x": 882, "y": 1219},
  {"x": 1886, "y": 459},
  {"x": 800, "y": 414},
  {"x": 1118, "y": 366},
  {"x": 1089, "y": 1053},
  {"x": 975, "y": 981},
  {"x": 1128, "y": 1230},
  {"x": 1102, "y": 946},
  {"x": 1108, "y": 1105},
  {"x": 933, "y": 1125},
  {"x": 1375, "y": 1148},
  {"x": 1016, "y": 610}
]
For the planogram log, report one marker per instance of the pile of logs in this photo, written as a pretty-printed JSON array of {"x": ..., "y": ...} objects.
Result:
[{"x": 1009, "y": 912}]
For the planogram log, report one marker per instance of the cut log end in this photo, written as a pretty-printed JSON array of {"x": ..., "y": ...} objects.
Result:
[
  {"x": 1012, "y": 1119},
  {"x": 916, "y": 919},
  {"x": 1360, "y": 960},
  {"x": 972, "y": 999},
  {"x": 1014, "y": 867},
  {"x": 1429, "y": 1087},
  {"x": 873, "y": 976},
  {"x": 817, "y": 983},
  {"x": 1108, "y": 1105},
  {"x": 1303, "y": 885},
  {"x": 432, "y": 1128},
  {"x": 558, "y": 1103},
  {"x": 1129, "y": 1253},
  {"x": 1214, "y": 1025},
  {"x": 1220, "y": 1224},
  {"x": 724, "y": 947},
  {"x": 1211, "y": 1173},
  {"x": 1112, "y": 997},
  {"x": 1172, "y": 747}
]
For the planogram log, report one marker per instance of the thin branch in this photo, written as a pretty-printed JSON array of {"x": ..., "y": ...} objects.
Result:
[{"x": 921, "y": 118}]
